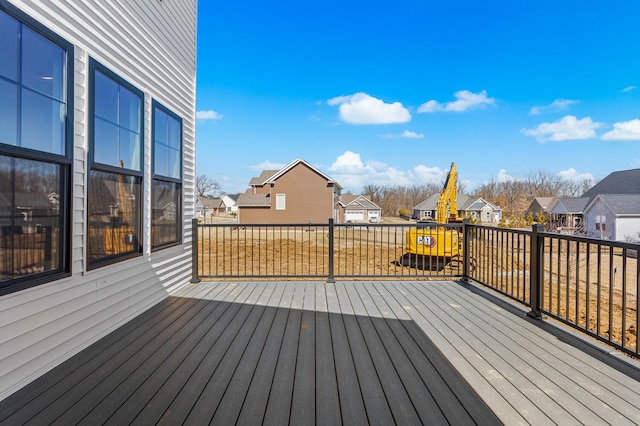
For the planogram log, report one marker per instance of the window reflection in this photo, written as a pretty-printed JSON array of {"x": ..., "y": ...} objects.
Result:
[
  {"x": 9, "y": 29},
  {"x": 8, "y": 113},
  {"x": 43, "y": 122},
  {"x": 117, "y": 124},
  {"x": 42, "y": 65},
  {"x": 114, "y": 222},
  {"x": 30, "y": 203},
  {"x": 165, "y": 214}
]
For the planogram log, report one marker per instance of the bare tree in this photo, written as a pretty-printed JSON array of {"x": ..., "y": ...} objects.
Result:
[{"x": 207, "y": 186}]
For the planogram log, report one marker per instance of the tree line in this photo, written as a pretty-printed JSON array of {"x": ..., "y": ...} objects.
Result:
[{"x": 512, "y": 195}]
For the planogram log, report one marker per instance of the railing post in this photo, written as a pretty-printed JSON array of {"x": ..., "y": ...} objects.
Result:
[
  {"x": 331, "y": 278},
  {"x": 465, "y": 249},
  {"x": 535, "y": 266},
  {"x": 194, "y": 251}
]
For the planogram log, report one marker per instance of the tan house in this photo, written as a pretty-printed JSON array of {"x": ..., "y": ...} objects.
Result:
[
  {"x": 298, "y": 193},
  {"x": 359, "y": 209}
]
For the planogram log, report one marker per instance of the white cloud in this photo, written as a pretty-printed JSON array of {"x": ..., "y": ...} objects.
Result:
[
  {"x": 629, "y": 88},
  {"x": 567, "y": 128},
  {"x": 412, "y": 135},
  {"x": 504, "y": 177},
  {"x": 406, "y": 134},
  {"x": 361, "y": 108},
  {"x": 425, "y": 175},
  {"x": 572, "y": 174},
  {"x": 465, "y": 100},
  {"x": 267, "y": 165},
  {"x": 557, "y": 105},
  {"x": 353, "y": 173},
  {"x": 624, "y": 131},
  {"x": 208, "y": 115}
]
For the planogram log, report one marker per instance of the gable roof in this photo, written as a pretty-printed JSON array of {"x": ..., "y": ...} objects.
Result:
[
  {"x": 619, "y": 204},
  {"x": 570, "y": 205},
  {"x": 269, "y": 176},
  {"x": 464, "y": 203},
  {"x": 546, "y": 203},
  {"x": 214, "y": 203},
  {"x": 620, "y": 182},
  {"x": 359, "y": 201}
]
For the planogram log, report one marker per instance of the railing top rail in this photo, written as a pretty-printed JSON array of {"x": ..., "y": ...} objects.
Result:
[{"x": 591, "y": 240}]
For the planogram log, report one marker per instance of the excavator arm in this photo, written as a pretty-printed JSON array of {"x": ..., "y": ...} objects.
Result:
[{"x": 447, "y": 208}]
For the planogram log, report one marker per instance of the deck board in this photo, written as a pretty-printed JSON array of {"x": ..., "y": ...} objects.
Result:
[{"x": 349, "y": 352}]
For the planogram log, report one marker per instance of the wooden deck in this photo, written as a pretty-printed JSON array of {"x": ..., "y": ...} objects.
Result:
[{"x": 351, "y": 353}]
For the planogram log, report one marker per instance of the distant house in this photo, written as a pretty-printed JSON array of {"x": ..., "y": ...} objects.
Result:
[
  {"x": 298, "y": 193},
  {"x": 471, "y": 207},
  {"x": 609, "y": 210},
  {"x": 359, "y": 209},
  {"x": 229, "y": 201},
  {"x": 209, "y": 207},
  {"x": 541, "y": 205},
  {"x": 567, "y": 214},
  {"x": 613, "y": 217}
]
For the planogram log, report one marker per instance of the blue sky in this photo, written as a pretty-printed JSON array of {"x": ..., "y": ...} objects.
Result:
[{"x": 390, "y": 93}]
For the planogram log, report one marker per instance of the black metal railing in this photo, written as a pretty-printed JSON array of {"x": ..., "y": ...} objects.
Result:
[
  {"x": 315, "y": 251},
  {"x": 587, "y": 283}
]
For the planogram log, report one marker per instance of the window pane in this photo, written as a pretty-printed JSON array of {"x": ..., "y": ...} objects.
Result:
[
  {"x": 105, "y": 98},
  {"x": 8, "y": 113},
  {"x": 165, "y": 218},
  {"x": 161, "y": 160},
  {"x": 167, "y": 145},
  {"x": 174, "y": 164},
  {"x": 114, "y": 213},
  {"x": 9, "y": 29},
  {"x": 129, "y": 150},
  {"x": 30, "y": 234},
  {"x": 43, "y": 122},
  {"x": 174, "y": 136},
  {"x": 42, "y": 65},
  {"x": 129, "y": 110},
  {"x": 105, "y": 149}
]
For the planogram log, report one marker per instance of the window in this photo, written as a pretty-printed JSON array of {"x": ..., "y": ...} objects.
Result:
[
  {"x": 35, "y": 153},
  {"x": 166, "y": 185},
  {"x": 280, "y": 201},
  {"x": 601, "y": 223},
  {"x": 115, "y": 168}
]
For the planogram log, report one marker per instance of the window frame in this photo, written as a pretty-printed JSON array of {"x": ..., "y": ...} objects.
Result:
[
  {"x": 63, "y": 161},
  {"x": 93, "y": 67},
  {"x": 281, "y": 202},
  {"x": 155, "y": 177}
]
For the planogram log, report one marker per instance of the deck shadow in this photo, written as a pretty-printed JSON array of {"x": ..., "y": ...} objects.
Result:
[{"x": 201, "y": 361}]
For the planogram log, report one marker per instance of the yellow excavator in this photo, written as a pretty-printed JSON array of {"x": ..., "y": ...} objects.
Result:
[{"x": 430, "y": 245}]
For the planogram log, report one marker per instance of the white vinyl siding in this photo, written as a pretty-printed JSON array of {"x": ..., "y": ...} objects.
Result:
[{"x": 150, "y": 44}]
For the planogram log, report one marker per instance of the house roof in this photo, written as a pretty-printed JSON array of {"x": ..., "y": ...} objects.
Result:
[
  {"x": 269, "y": 176},
  {"x": 464, "y": 203},
  {"x": 546, "y": 203},
  {"x": 358, "y": 201},
  {"x": 619, "y": 204},
  {"x": 253, "y": 200},
  {"x": 620, "y": 182},
  {"x": 214, "y": 203},
  {"x": 570, "y": 205}
]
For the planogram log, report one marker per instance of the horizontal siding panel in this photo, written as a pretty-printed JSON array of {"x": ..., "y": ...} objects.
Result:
[{"x": 151, "y": 44}]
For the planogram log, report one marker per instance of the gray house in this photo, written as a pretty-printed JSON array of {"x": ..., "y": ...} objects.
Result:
[
  {"x": 614, "y": 217},
  {"x": 472, "y": 207}
]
